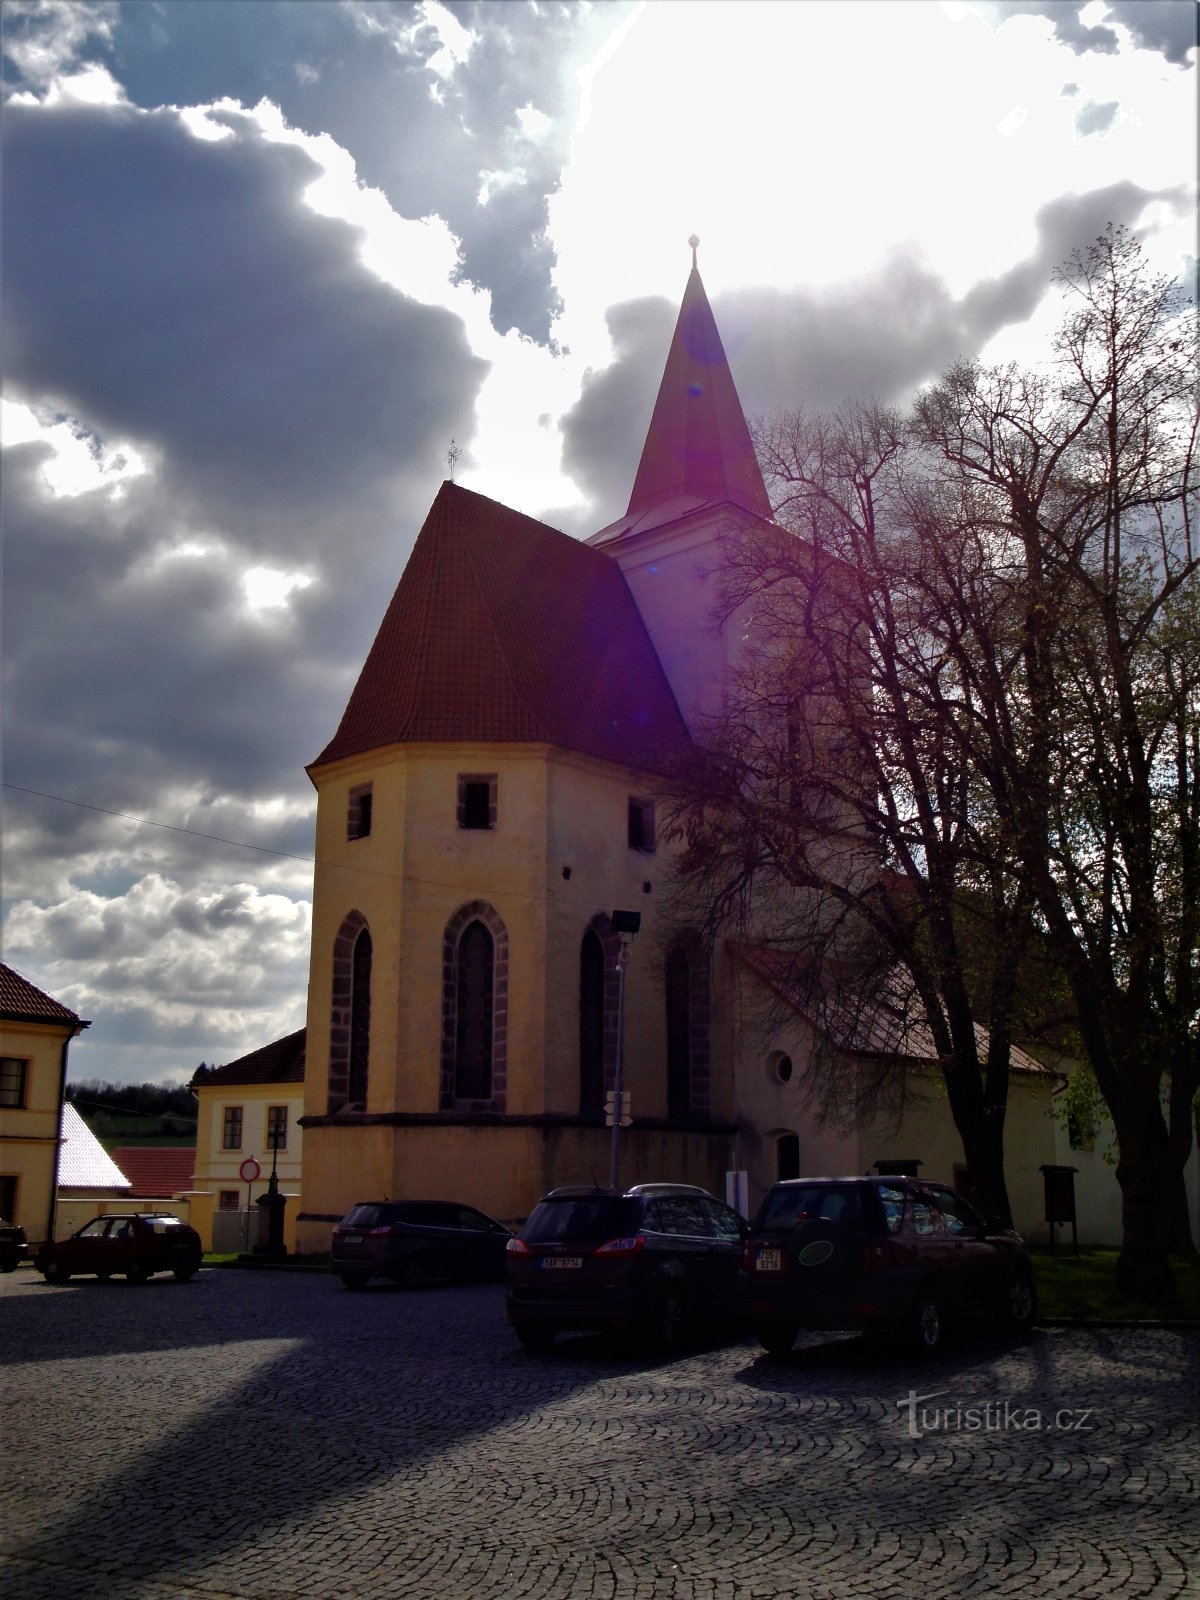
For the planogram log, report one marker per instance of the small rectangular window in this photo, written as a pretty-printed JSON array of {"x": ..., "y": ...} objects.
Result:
[
  {"x": 641, "y": 824},
  {"x": 228, "y": 1200},
  {"x": 14, "y": 1074},
  {"x": 231, "y": 1138},
  {"x": 358, "y": 816},
  {"x": 277, "y": 1124},
  {"x": 476, "y": 800}
]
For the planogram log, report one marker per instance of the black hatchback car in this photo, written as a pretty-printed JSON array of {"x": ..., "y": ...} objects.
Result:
[
  {"x": 884, "y": 1254},
  {"x": 657, "y": 1259},
  {"x": 413, "y": 1241}
]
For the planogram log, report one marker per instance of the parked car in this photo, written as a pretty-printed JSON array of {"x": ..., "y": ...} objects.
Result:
[
  {"x": 413, "y": 1241},
  {"x": 133, "y": 1243},
  {"x": 885, "y": 1254},
  {"x": 14, "y": 1246},
  {"x": 658, "y": 1259}
]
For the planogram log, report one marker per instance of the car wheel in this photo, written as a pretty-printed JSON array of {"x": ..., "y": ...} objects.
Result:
[
  {"x": 354, "y": 1280},
  {"x": 776, "y": 1338},
  {"x": 413, "y": 1273},
  {"x": 1020, "y": 1305},
  {"x": 136, "y": 1272},
  {"x": 925, "y": 1323},
  {"x": 184, "y": 1274},
  {"x": 104, "y": 1277},
  {"x": 55, "y": 1272},
  {"x": 8, "y": 1263},
  {"x": 533, "y": 1336}
]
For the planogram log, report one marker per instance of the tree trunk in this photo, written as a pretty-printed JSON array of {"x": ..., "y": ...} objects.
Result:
[{"x": 1149, "y": 1185}]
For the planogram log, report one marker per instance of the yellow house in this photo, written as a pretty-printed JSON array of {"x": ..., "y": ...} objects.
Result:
[
  {"x": 35, "y": 1032},
  {"x": 490, "y": 801},
  {"x": 248, "y": 1122}
]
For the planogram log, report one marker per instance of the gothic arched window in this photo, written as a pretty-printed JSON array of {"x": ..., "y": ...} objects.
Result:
[
  {"x": 350, "y": 1016},
  {"x": 686, "y": 993},
  {"x": 473, "y": 1018},
  {"x": 474, "y": 1010}
]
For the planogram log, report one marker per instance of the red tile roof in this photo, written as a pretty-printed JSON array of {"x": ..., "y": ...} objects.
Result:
[
  {"x": 157, "y": 1171},
  {"x": 22, "y": 1001},
  {"x": 698, "y": 445},
  {"x": 503, "y": 629},
  {"x": 889, "y": 1025},
  {"x": 281, "y": 1062}
]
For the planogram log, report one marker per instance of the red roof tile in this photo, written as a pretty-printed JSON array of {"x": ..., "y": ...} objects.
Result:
[
  {"x": 503, "y": 629},
  {"x": 281, "y": 1062},
  {"x": 22, "y": 1001},
  {"x": 157, "y": 1171}
]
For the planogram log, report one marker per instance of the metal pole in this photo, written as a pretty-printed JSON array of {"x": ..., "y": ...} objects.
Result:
[{"x": 615, "y": 1155}]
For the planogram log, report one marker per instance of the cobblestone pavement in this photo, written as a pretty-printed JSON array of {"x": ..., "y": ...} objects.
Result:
[{"x": 260, "y": 1435}]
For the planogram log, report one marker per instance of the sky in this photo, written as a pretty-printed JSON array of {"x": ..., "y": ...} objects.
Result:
[{"x": 268, "y": 264}]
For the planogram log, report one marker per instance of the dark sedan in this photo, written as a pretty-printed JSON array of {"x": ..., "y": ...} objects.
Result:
[
  {"x": 414, "y": 1241},
  {"x": 130, "y": 1244}
]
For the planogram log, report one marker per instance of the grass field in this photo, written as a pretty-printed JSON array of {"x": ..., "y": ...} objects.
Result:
[{"x": 1084, "y": 1286}]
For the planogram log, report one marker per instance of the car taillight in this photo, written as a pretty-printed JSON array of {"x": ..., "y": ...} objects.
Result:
[
  {"x": 631, "y": 1245},
  {"x": 748, "y": 1250},
  {"x": 516, "y": 1247},
  {"x": 380, "y": 1233}
]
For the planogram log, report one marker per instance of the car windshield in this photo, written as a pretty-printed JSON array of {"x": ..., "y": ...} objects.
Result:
[
  {"x": 585, "y": 1219},
  {"x": 827, "y": 1202}
]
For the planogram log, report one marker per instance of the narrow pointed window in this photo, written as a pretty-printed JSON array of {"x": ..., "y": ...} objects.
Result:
[
  {"x": 474, "y": 1010},
  {"x": 679, "y": 1027},
  {"x": 360, "y": 1023},
  {"x": 473, "y": 1041},
  {"x": 350, "y": 1016},
  {"x": 687, "y": 1005},
  {"x": 591, "y": 1025}
]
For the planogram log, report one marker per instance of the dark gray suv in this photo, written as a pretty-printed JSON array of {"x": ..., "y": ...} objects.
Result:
[
  {"x": 413, "y": 1241},
  {"x": 659, "y": 1259}
]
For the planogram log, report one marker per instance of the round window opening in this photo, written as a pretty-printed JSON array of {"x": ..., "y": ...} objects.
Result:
[{"x": 781, "y": 1068}]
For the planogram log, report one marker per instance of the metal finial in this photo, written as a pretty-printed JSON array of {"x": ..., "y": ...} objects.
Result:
[
  {"x": 694, "y": 242},
  {"x": 452, "y": 457}
]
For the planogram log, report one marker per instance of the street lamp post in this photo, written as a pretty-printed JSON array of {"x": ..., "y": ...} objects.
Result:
[{"x": 624, "y": 924}]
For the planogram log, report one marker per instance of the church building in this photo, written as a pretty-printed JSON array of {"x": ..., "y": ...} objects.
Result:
[{"x": 492, "y": 796}]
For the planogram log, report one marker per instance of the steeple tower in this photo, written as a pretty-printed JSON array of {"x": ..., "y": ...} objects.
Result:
[
  {"x": 698, "y": 481},
  {"x": 697, "y": 449}
]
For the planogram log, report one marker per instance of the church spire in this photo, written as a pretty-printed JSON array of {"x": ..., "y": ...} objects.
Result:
[{"x": 698, "y": 446}]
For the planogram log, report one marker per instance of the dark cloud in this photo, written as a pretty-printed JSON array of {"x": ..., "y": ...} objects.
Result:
[
  {"x": 362, "y": 72},
  {"x": 1169, "y": 26},
  {"x": 880, "y": 336},
  {"x": 177, "y": 294}
]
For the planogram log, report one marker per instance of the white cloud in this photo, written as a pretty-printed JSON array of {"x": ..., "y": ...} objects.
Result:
[
  {"x": 268, "y": 589},
  {"x": 78, "y": 460}
]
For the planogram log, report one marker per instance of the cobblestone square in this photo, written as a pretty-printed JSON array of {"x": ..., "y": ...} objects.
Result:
[{"x": 262, "y": 1435}]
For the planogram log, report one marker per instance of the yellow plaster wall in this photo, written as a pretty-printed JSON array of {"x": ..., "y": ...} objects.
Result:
[
  {"x": 554, "y": 810},
  {"x": 29, "y": 1136},
  {"x": 217, "y": 1168}
]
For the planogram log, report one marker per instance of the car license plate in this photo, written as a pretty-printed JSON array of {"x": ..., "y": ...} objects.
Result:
[
  {"x": 768, "y": 1261},
  {"x": 562, "y": 1261}
]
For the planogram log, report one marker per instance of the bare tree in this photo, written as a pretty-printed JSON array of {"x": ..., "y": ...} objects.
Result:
[
  {"x": 966, "y": 724},
  {"x": 1083, "y": 480}
]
